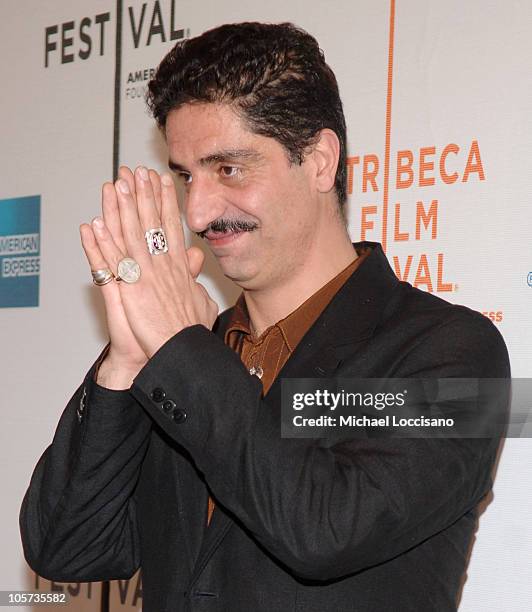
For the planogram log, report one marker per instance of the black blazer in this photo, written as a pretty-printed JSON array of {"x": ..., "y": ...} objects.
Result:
[{"x": 365, "y": 525}]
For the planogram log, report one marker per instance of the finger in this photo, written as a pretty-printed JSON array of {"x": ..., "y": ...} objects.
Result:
[
  {"x": 132, "y": 231},
  {"x": 212, "y": 306},
  {"x": 90, "y": 246},
  {"x": 147, "y": 210},
  {"x": 156, "y": 186},
  {"x": 97, "y": 261},
  {"x": 111, "y": 215},
  {"x": 125, "y": 173},
  {"x": 195, "y": 258},
  {"x": 107, "y": 246},
  {"x": 171, "y": 219},
  {"x": 206, "y": 294}
]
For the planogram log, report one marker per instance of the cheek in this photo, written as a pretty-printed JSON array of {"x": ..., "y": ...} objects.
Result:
[
  {"x": 294, "y": 211},
  {"x": 281, "y": 207}
]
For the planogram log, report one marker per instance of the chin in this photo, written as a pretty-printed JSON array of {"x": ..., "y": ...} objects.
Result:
[{"x": 239, "y": 273}]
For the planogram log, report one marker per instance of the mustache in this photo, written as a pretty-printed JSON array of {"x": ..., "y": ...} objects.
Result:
[{"x": 223, "y": 226}]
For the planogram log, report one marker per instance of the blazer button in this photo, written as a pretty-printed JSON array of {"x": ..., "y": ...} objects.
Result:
[
  {"x": 168, "y": 406},
  {"x": 158, "y": 394},
  {"x": 180, "y": 415}
]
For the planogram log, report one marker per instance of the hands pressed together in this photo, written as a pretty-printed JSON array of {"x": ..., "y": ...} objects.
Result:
[{"x": 143, "y": 315}]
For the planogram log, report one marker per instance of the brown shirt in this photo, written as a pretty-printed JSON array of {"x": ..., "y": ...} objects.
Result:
[{"x": 266, "y": 355}]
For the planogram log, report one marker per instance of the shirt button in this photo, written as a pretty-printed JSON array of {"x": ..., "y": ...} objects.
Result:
[
  {"x": 257, "y": 371},
  {"x": 168, "y": 406},
  {"x": 180, "y": 415},
  {"x": 158, "y": 394}
]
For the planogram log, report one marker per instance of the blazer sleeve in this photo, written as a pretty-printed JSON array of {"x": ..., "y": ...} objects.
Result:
[
  {"x": 78, "y": 517},
  {"x": 324, "y": 511}
]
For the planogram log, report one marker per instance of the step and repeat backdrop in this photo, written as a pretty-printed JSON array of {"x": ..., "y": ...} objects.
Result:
[{"x": 437, "y": 101}]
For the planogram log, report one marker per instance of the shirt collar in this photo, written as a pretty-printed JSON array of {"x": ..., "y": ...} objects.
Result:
[{"x": 295, "y": 325}]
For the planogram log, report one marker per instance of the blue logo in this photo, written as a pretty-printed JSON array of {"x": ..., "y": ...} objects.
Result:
[
  {"x": 529, "y": 279},
  {"x": 20, "y": 262}
]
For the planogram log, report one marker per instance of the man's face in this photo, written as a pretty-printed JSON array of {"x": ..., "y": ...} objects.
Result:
[{"x": 257, "y": 212}]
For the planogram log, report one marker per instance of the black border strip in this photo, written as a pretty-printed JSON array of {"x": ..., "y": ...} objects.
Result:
[
  {"x": 105, "y": 596},
  {"x": 118, "y": 71},
  {"x": 106, "y": 585}
]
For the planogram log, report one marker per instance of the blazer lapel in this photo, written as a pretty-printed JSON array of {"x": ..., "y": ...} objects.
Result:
[
  {"x": 192, "y": 508},
  {"x": 213, "y": 533},
  {"x": 193, "y": 494},
  {"x": 351, "y": 317}
]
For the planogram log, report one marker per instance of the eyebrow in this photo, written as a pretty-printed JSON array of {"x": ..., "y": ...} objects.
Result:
[{"x": 225, "y": 155}]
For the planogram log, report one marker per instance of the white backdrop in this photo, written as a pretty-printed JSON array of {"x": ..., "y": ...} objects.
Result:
[{"x": 457, "y": 98}]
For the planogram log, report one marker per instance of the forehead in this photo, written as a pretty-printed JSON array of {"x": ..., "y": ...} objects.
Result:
[{"x": 196, "y": 130}]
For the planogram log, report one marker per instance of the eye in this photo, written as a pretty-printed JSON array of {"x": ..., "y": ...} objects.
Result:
[
  {"x": 229, "y": 171},
  {"x": 185, "y": 177}
]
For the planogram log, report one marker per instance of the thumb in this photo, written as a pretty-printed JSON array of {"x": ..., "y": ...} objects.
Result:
[{"x": 196, "y": 259}]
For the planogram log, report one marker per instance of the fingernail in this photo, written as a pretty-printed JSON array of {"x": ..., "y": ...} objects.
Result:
[
  {"x": 143, "y": 173},
  {"x": 123, "y": 186},
  {"x": 166, "y": 179},
  {"x": 98, "y": 222}
]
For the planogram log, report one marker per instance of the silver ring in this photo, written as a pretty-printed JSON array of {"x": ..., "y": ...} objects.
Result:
[
  {"x": 128, "y": 270},
  {"x": 156, "y": 241},
  {"x": 102, "y": 276}
]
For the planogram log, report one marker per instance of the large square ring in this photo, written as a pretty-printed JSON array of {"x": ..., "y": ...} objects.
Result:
[{"x": 156, "y": 240}]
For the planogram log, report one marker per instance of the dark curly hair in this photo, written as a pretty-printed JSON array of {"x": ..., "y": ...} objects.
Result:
[{"x": 273, "y": 75}]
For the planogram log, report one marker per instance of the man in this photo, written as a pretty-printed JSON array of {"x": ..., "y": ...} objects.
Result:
[{"x": 169, "y": 455}]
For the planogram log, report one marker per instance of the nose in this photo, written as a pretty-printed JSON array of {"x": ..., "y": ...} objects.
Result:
[{"x": 203, "y": 203}]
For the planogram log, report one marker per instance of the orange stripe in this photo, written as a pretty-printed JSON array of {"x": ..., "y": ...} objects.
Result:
[{"x": 388, "y": 128}]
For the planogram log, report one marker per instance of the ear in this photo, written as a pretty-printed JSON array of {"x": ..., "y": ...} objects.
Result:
[{"x": 326, "y": 153}]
